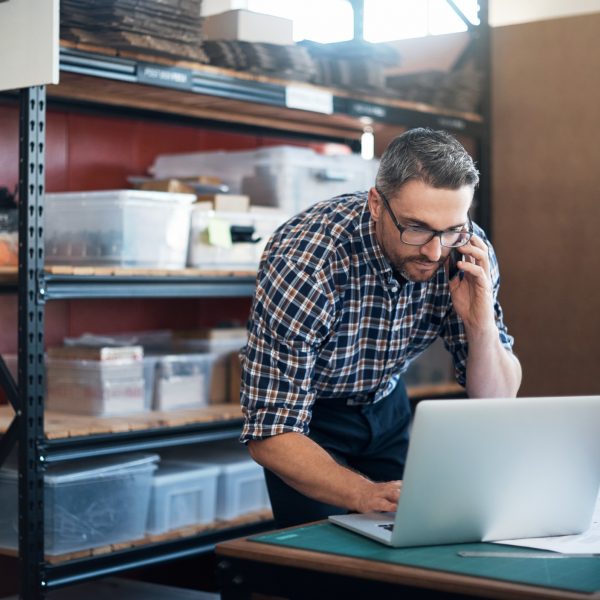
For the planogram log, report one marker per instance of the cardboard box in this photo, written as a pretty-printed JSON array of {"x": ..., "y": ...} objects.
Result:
[
  {"x": 235, "y": 378},
  {"x": 248, "y": 26},
  {"x": 212, "y": 7},
  {"x": 226, "y": 202}
]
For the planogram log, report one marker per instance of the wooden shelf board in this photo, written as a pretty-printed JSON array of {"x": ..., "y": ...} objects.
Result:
[
  {"x": 146, "y": 272},
  {"x": 9, "y": 274},
  {"x": 176, "y": 534},
  {"x": 115, "y": 92},
  {"x": 62, "y": 425},
  {"x": 435, "y": 390},
  {"x": 194, "y": 66}
]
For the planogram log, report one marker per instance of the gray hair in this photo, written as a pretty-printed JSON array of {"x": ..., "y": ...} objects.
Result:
[{"x": 434, "y": 157}]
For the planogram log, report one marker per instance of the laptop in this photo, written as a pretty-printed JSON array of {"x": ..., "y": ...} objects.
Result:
[{"x": 493, "y": 469}]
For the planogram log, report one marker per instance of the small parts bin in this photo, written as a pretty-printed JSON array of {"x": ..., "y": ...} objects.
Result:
[{"x": 91, "y": 503}]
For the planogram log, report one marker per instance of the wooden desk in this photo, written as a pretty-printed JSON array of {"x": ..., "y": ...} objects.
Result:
[{"x": 247, "y": 568}]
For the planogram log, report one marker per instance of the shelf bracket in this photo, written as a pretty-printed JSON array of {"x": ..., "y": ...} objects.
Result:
[
  {"x": 9, "y": 386},
  {"x": 8, "y": 440},
  {"x": 32, "y": 138}
]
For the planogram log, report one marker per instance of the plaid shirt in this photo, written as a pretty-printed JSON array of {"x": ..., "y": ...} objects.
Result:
[{"x": 330, "y": 320}]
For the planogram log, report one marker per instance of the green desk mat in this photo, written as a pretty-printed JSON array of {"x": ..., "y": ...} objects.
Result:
[{"x": 574, "y": 574}]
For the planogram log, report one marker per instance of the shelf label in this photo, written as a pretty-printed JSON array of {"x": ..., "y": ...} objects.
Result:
[
  {"x": 452, "y": 123},
  {"x": 366, "y": 109},
  {"x": 171, "y": 77},
  {"x": 305, "y": 98}
]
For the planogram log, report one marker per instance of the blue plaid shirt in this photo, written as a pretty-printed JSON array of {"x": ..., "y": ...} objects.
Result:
[{"x": 330, "y": 320}]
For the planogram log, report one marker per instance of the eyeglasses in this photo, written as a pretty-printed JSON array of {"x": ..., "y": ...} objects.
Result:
[{"x": 419, "y": 236}]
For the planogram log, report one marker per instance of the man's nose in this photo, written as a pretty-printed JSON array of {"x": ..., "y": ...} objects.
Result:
[{"x": 432, "y": 249}]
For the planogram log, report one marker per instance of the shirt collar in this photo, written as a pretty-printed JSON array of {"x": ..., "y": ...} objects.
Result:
[{"x": 372, "y": 252}]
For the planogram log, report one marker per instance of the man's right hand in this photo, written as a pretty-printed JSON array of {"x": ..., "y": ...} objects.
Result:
[
  {"x": 312, "y": 471},
  {"x": 381, "y": 497}
]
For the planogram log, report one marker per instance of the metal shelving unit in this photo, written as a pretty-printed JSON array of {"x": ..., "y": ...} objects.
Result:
[
  {"x": 259, "y": 104},
  {"x": 68, "y": 287}
]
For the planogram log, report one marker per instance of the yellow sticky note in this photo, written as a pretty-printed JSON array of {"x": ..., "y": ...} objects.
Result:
[{"x": 219, "y": 233}]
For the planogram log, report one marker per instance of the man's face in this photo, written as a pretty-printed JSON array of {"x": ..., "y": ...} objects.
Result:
[{"x": 418, "y": 205}]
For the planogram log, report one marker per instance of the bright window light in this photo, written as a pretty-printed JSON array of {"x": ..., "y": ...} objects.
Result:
[
  {"x": 384, "y": 20},
  {"x": 317, "y": 20},
  {"x": 388, "y": 20},
  {"x": 443, "y": 19}
]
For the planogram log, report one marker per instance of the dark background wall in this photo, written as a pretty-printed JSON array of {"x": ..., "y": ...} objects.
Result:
[{"x": 546, "y": 198}]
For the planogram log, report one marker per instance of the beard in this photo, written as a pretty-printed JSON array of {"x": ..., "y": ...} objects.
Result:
[{"x": 403, "y": 266}]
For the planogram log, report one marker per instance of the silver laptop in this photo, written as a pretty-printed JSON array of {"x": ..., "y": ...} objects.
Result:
[{"x": 494, "y": 469}]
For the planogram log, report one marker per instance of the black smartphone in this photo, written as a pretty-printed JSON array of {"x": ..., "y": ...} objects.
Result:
[{"x": 453, "y": 269}]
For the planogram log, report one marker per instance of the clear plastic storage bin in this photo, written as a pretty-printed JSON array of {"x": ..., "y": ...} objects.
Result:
[
  {"x": 86, "y": 503},
  {"x": 182, "y": 381},
  {"x": 241, "y": 486},
  {"x": 94, "y": 387},
  {"x": 289, "y": 177},
  {"x": 183, "y": 494},
  {"x": 221, "y": 349},
  {"x": 129, "y": 228},
  {"x": 250, "y": 231}
]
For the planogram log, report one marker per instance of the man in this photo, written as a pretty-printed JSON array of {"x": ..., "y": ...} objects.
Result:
[{"x": 348, "y": 293}]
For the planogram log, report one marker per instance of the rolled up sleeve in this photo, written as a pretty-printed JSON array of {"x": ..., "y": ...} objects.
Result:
[{"x": 290, "y": 319}]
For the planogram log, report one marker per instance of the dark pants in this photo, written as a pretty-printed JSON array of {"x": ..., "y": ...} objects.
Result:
[{"x": 371, "y": 439}]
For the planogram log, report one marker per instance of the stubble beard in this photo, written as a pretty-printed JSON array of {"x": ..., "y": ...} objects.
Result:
[{"x": 401, "y": 267}]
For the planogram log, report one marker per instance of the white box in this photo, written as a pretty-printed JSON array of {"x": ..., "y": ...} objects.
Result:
[
  {"x": 182, "y": 381},
  {"x": 259, "y": 224},
  {"x": 212, "y": 7},
  {"x": 87, "y": 504},
  {"x": 248, "y": 26},
  {"x": 183, "y": 494},
  {"x": 129, "y": 228},
  {"x": 94, "y": 387}
]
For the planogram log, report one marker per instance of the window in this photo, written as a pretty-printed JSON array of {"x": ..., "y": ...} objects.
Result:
[
  {"x": 317, "y": 20},
  {"x": 387, "y": 20},
  {"x": 384, "y": 20}
]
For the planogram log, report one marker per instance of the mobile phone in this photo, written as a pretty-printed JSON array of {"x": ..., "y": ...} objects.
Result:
[{"x": 453, "y": 269}]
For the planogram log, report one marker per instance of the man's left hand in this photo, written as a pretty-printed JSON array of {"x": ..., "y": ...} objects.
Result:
[{"x": 472, "y": 295}]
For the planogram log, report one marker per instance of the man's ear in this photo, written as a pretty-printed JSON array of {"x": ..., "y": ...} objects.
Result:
[{"x": 375, "y": 204}]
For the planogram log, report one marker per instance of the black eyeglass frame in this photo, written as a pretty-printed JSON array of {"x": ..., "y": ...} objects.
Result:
[{"x": 434, "y": 232}]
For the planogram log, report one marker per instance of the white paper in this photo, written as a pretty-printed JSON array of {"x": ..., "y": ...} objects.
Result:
[
  {"x": 29, "y": 47},
  {"x": 587, "y": 542},
  {"x": 306, "y": 98}
]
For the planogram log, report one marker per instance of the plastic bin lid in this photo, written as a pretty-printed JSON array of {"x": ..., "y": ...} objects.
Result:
[
  {"x": 95, "y": 467},
  {"x": 171, "y": 471},
  {"x": 232, "y": 459},
  {"x": 123, "y": 195}
]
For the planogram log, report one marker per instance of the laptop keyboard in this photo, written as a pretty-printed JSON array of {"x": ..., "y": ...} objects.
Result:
[{"x": 387, "y": 526}]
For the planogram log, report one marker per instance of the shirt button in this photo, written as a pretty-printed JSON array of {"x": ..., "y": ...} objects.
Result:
[{"x": 395, "y": 289}]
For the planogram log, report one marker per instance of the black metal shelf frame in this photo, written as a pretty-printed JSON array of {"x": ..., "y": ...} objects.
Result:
[
  {"x": 78, "y": 570},
  {"x": 63, "y": 287},
  {"x": 75, "y": 448},
  {"x": 35, "y": 287}
]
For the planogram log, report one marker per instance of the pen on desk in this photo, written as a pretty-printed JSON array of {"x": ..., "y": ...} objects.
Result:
[{"x": 509, "y": 554}]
